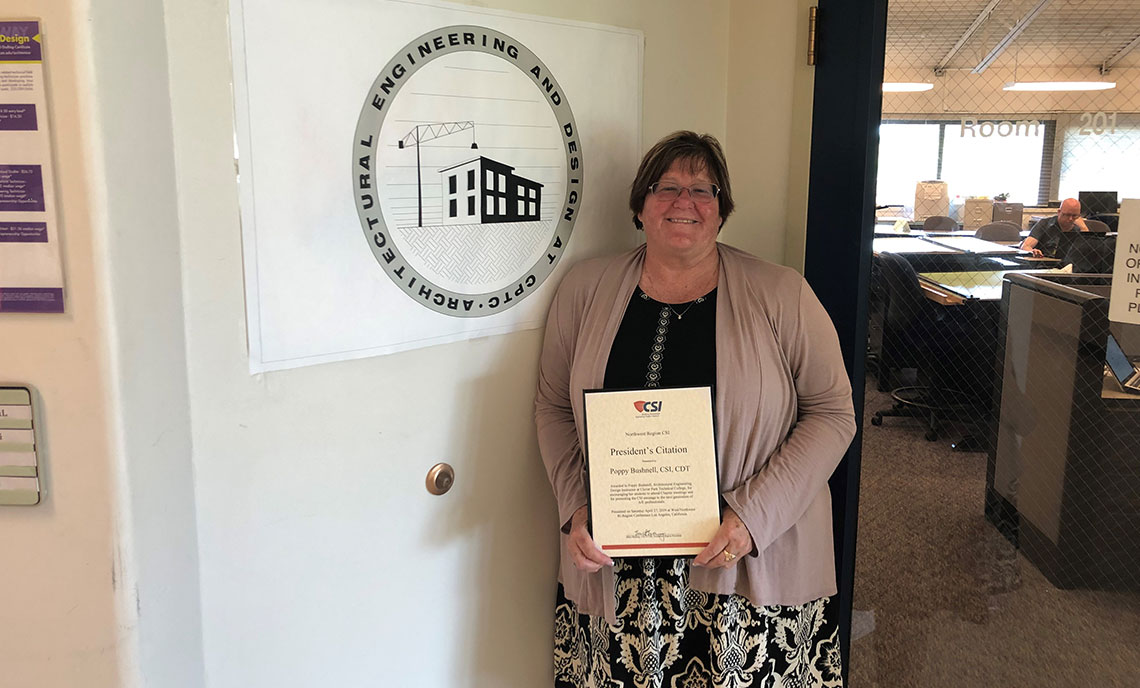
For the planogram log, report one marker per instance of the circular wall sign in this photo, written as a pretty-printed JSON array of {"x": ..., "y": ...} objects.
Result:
[{"x": 467, "y": 171}]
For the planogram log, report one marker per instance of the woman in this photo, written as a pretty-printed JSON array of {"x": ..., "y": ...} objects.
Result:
[{"x": 683, "y": 310}]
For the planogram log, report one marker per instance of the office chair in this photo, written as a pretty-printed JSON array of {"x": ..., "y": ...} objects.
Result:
[
  {"x": 999, "y": 231},
  {"x": 1096, "y": 225},
  {"x": 1112, "y": 220},
  {"x": 920, "y": 334},
  {"x": 1087, "y": 252},
  {"x": 939, "y": 223}
]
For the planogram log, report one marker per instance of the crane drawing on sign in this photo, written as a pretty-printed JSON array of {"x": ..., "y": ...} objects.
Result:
[{"x": 421, "y": 134}]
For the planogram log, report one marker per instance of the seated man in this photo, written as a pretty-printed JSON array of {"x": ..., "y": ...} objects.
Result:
[{"x": 1046, "y": 234}]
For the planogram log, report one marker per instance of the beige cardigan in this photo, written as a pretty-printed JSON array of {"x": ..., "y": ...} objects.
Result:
[{"x": 784, "y": 419}]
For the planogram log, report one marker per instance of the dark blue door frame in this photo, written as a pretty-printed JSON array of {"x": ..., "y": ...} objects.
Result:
[{"x": 850, "y": 46}]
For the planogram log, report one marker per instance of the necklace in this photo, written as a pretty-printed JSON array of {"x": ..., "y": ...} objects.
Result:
[{"x": 680, "y": 315}]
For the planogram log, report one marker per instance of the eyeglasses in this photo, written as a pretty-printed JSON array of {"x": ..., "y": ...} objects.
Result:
[
  {"x": 1072, "y": 216},
  {"x": 700, "y": 193}
]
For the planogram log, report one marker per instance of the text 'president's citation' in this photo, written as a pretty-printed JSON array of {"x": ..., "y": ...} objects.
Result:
[{"x": 652, "y": 465}]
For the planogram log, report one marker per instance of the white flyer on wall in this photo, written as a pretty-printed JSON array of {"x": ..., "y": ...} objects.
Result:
[
  {"x": 427, "y": 176},
  {"x": 1124, "y": 303},
  {"x": 31, "y": 276}
]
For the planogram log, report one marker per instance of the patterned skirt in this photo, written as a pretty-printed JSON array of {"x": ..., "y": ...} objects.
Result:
[{"x": 671, "y": 636}]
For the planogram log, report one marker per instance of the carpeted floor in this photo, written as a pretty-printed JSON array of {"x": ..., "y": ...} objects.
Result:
[{"x": 942, "y": 600}]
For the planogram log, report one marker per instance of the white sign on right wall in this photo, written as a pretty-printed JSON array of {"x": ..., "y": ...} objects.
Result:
[{"x": 1124, "y": 306}]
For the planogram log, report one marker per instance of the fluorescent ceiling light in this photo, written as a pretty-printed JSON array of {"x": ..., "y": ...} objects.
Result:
[
  {"x": 906, "y": 86},
  {"x": 1058, "y": 85}
]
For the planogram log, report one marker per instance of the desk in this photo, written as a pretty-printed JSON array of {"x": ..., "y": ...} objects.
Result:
[
  {"x": 909, "y": 244},
  {"x": 953, "y": 233},
  {"x": 943, "y": 271},
  {"x": 1062, "y": 478},
  {"x": 979, "y": 292},
  {"x": 973, "y": 233},
  {"x": 931, "y": 254},
  {"x": 955, "y": 288},
  {"x": 971, "y": 244},
  {"x": 1111, "y": 389},
  {"x": 890, "y": 231},
  {"x": 927, "y": 256},
  {"x": 1039, "y": 261},
  {"x": 939, "y": 294}
]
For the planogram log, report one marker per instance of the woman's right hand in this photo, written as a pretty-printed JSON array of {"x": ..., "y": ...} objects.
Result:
[{"x": 584, "y": 552}]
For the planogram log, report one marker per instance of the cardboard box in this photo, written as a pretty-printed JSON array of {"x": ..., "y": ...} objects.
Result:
[{"x": 931, "y": 198}]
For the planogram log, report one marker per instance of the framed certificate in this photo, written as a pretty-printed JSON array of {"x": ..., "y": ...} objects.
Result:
[{"x": 652, "y": 467}]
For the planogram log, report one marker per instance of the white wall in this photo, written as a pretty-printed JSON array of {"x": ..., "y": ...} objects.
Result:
[
  {"x": 103, "y": 575},
  {"x": 313, "y": 523},
  {"x": 169, "y": 469},
  {"x": 686, "y": 56},
  {"x": 150, "y": 401},
  {"x": 65, "y": 565},
  {"x": 769, "y": 127},
  {"x": 736, "y": 69}
]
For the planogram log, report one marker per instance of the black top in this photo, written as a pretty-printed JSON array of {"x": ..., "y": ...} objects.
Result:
[
  {"x": 1048, "y": 233},
  {"x": 658, "y": 345}
]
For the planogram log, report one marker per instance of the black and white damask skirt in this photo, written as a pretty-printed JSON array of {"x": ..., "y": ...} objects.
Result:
[{"x": 671, "y": 636}]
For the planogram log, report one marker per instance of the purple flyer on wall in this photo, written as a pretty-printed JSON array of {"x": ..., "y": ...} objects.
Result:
[
  {"x": 21, "y": 188},
  {"x": 20, "y": 41},
  {"x": 17, "y": 117},
  {"x": 31, "y": 273},
  {"x": 24, "y": 232},
  {"x": 31, "y": 300}
]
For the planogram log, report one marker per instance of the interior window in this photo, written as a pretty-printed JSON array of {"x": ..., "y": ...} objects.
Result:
[
  {"x": 908, "y": 153},
  {"x": 1100, "y": 155},
  {"x": 977, "y": 165}
]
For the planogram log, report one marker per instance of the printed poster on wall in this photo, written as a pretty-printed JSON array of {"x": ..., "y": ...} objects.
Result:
[
  {"x": 1124, "y": 301},
  {"x": 31, "y": 276},
  {"x": 427, "y": 176}
]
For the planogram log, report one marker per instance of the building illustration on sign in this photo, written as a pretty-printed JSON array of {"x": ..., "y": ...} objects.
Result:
[
  {"x": 482, "y": 190},
  {"x": 467, "y": 199},
  {"x": 476, "y": 191}
]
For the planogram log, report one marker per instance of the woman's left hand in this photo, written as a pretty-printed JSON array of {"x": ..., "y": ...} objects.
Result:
[{"x": 731, "y": 543}]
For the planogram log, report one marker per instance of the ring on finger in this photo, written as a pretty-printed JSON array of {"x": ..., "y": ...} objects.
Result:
[{"x": 728, "y": 556}]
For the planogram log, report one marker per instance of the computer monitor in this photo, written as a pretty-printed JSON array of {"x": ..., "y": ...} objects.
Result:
[
  {"x": 1122, "y": 369},
  {"x": 1087, "y": 251},
  {"x": 1096, "y": 202}
]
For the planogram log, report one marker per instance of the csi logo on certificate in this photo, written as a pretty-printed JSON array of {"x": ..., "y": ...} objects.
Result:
[{"x": 467, "y": 170}]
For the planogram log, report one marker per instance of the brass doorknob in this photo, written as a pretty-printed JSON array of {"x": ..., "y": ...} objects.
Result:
[{"x": 440, "y": 478}]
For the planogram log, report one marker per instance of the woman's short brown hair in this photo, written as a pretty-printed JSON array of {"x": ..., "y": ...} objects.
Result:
[{"x": 699, "y": 152}]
